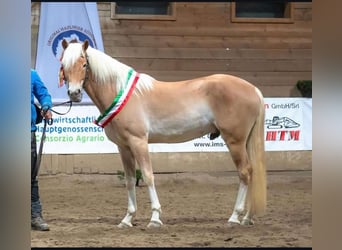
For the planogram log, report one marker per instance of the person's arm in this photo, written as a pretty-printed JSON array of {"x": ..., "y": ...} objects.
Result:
[{"x": 41, "y": 92}]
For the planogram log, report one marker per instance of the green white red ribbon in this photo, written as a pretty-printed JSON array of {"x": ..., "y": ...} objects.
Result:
[{"x": 120, "y": 100}]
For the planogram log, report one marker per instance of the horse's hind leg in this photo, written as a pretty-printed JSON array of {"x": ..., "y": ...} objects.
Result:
[
  {"x": 128, "y": 162},
  {"x": 239, "y": 205},
  {"x": 240, "y": 157},
  {"x": 140, "y": 151}
]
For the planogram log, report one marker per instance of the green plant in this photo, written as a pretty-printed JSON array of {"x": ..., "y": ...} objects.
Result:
[
  {"x": 121, "y": 175},
  {"x": 305, "y": 87},
  {"x": 138, "y": 176}
]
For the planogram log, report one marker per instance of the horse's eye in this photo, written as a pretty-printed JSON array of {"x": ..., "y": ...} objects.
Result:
[{"x": 84, "y": 65}]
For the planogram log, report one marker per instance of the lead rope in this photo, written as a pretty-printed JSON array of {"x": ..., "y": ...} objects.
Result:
[
  {"x": 49, "y": 122},
  {"x": 39, "y": 156},
  {"x": 59, "y": 104}
]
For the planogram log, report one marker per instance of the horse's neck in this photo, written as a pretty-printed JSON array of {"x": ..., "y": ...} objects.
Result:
[
  {"x": 103, "y": 91},
  {"x": 102, "y": 95}
]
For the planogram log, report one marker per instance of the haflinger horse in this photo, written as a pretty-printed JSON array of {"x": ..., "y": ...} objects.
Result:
[{"x": 137, "y": 110}]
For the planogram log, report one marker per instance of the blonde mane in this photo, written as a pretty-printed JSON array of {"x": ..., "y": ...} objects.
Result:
[{"x": 105, "y": 69}]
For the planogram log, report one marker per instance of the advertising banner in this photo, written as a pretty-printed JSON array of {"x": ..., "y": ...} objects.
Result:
[
  {"x": 58, "y": 21},
  {"x": 288, "y": 126}
]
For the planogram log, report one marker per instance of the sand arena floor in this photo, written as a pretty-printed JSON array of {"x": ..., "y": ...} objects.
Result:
[{"x": 83, "y": 211}]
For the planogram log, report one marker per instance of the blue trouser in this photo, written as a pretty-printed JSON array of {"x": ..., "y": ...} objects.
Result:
[{"x": 36, "y": 207}]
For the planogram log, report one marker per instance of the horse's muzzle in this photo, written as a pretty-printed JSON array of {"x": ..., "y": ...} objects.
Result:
[{"x": 75, "y": 96}]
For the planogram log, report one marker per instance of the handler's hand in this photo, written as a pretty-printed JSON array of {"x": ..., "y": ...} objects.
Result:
[{"x": 46, "y": 114}]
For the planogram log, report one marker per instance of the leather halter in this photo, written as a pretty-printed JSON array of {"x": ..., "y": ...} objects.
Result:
[{"x": 86, "y": 76}]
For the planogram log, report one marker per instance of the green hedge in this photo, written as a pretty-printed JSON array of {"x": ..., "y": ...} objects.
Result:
[{"x": 305, "y": 87}]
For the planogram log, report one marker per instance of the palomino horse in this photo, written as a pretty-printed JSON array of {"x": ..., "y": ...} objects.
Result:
[{"x": 137, "y": 109}]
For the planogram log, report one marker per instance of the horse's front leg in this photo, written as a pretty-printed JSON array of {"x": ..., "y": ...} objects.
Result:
[
  {"x": 142, "y": 156},
  {"x": 128, "y": 162}
]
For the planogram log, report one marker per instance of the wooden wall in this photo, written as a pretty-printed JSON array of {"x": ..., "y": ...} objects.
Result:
[{"x": 203, "y": 40}]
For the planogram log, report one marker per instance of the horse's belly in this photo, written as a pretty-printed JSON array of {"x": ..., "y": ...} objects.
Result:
[
  {"x": 162, "y": 138},
  {"x": 180, "y": 130}
]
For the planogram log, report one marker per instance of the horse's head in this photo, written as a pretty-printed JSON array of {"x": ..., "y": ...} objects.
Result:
[{"x": 75, "y": 68}]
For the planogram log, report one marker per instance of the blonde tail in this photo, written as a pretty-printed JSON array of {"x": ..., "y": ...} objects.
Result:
[{"x": 256, "y": 151}]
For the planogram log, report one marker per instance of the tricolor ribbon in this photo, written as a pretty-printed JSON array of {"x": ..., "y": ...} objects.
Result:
[{"x": 120, "y": 100}]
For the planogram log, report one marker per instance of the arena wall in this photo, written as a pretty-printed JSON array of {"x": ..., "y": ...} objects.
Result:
[{"x": 169, "y": 162}]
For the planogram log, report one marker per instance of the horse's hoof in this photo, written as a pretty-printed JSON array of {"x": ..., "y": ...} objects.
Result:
[
  {"x": 231, "y": 224},
  {"x": 247, "y": 222},
  {"x": 125, "y": 225},
  {"x": 155, "y": 224}
]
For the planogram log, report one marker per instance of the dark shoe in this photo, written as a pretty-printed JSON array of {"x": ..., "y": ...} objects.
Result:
[{"x": 39, "y": 224}]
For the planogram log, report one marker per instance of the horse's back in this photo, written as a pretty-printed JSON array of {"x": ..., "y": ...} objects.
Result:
[
  {"x": 180, "y": 111},
  {"x": 214, "y": 92},
  {"x": 216, "y": 89}
]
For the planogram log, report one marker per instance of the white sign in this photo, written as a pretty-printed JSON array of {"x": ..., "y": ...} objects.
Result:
[
  {"x": 288, "y": 126},
  {"x": 58, "y": 21}
]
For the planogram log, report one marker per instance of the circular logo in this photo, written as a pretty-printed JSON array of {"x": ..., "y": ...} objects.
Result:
[{"x": 69, "y": 35}]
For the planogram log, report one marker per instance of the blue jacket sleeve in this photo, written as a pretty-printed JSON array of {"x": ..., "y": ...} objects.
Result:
[{"x": 40, "y": 91}]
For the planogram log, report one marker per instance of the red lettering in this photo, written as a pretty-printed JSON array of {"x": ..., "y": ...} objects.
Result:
[
  {"x": 271, "y": 135},
  {"x": 282, "y": 135},
  {"x": 294, "y": 135}
]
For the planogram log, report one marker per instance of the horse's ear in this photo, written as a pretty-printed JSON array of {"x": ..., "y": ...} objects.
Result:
[
  {"x": 85, "y": 45},
  {"x": 64, "y": 44}
]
